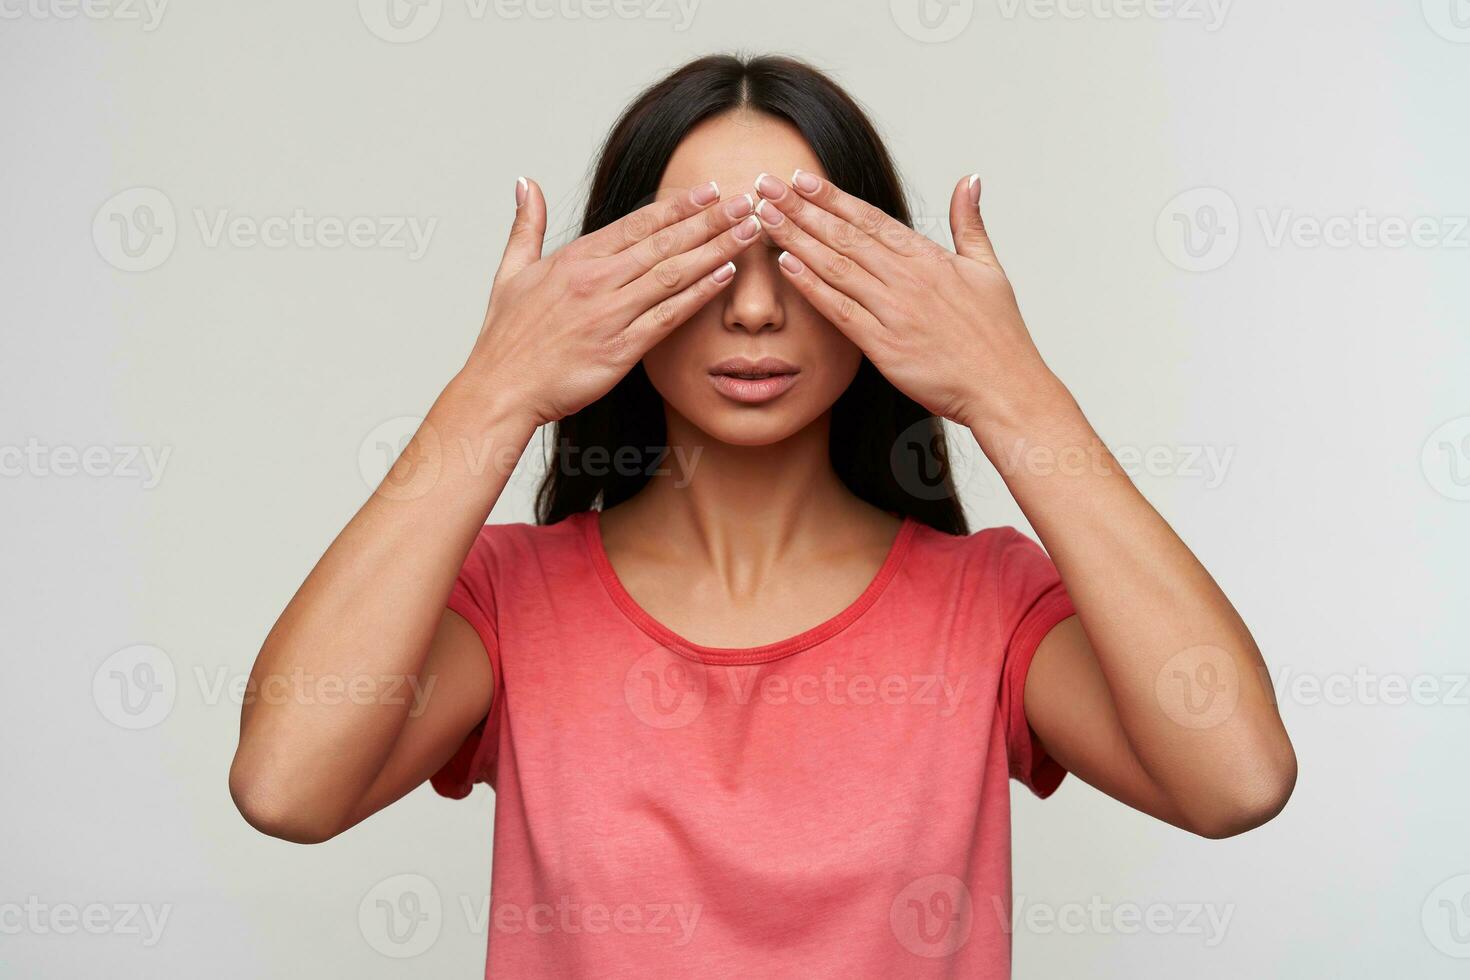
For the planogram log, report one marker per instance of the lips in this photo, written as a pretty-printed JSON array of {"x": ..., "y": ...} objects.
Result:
[{"x": 753, "y": 381}]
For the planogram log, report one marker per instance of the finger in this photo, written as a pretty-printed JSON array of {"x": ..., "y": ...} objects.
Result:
[
  {"x": 679, "y": 238},
  {"x": 966, "y": 224},
  {"x": 527, "y": 232},
  {"x": 657, "y": 323},
  {"x": 865, "y": 217},
  {"x": 836, "y": 233},
  {"x": 680, "y": 271},
  {"x": 832, "y": 267},
  {"x": 844, "y": 312},
  {"x": 632, "y": 228}
]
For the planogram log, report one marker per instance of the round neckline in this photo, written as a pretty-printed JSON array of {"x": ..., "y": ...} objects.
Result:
[{"x": 733, "y": 656}]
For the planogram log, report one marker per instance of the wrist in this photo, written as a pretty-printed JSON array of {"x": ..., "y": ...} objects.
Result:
[
  {"x": 481, "y": 413},
  {"x": 1037, "y": 413},
  {"x": 1018, "y": 407}
]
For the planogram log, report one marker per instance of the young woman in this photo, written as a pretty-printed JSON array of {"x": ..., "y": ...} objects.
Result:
[{"x": 750, "y": 693}]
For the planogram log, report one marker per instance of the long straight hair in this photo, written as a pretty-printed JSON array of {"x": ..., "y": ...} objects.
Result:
[{"x": 884, "y": 446}]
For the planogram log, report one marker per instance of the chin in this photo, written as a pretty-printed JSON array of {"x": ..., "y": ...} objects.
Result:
[{"x": 749, "y": 425}]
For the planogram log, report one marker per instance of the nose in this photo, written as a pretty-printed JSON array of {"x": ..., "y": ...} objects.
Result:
[{"x": 753, "y": 301}]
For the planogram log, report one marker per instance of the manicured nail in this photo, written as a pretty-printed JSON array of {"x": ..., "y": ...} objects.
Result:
[
  {"x": 974, "y": 189},
  {"x": 741, "y": 206},
  {"x": 770, "y": 188},
  {"x": 706, "y": 193},
  {"x": 805, "y": 182},
  {"x": 724, "y": 272},
  {"x": 748, "y": 228},
  {"x": 769, "y": 213},
  {"x": 789, "y": 262},
  {"x": 523, "y": 187}
]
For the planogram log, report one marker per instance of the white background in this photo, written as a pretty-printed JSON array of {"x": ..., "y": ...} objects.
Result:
[{"x": 1320, "y": 374}]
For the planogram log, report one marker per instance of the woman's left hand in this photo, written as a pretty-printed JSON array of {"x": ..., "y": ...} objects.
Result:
[{"x": 943, "y": 326}]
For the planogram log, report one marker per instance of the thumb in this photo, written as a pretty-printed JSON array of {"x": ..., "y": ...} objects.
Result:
[
  {"x": 527, "y": 232},
  {"x": 966, "y": 224}
]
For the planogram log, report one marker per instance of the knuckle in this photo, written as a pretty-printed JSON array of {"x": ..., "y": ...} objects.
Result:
[
  {"x": 636, "y": 226},
  {"x": 665, "y": 243},
  {"x": 665, "y": 313},
  {"x": 846, "y": 309},
  {"x": 897, "y": 237},
  {"x": 615, "y": 345},
  {"x": 668, "y": 274},
  {"x": 839, "y": 266},
  {"x": 846, "y": 236},
  {"x": 583, "y": 280},
  {"x": 870, "y": 218}
]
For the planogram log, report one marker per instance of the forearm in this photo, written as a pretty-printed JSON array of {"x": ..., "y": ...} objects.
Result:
[
  {"x": 339, "y": 672},
  {"x": 1182, "y": 668}
]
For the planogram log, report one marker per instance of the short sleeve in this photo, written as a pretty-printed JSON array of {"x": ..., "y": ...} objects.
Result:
[
  {"x": 1031, "y": 601},
  {"x": 473, "y": 598}
]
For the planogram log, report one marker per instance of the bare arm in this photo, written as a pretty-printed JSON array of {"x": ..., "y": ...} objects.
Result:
[
  {"x": 1155, "y": 697},
  {"x": 406, "y": 680}
]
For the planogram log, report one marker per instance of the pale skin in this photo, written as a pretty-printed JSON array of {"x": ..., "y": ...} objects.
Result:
[{"x": 764, "y": 541}]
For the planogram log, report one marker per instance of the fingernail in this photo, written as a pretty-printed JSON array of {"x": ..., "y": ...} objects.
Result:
[
  {"x": 974, "y": 189},
  {"x": 805, "y": 182},
  {"x": 770, "y": 188},
  {"x": 748, "y": 228},
  {"x": 724, "y": 272},
  {"x": 769, "y": 213},
  {"x": 523, "y": 187},
  {"x": 789, "y": 262},
  {"x": 706, "y": 193},
  {"x": 740, "y": 206}
]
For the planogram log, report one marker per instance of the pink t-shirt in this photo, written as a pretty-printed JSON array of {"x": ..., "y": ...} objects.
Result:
[{"x": 832, "y": 805}]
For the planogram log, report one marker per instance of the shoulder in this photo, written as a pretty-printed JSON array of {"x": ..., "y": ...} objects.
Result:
[
  {"x": 991, "y": 548},
  {"x": 498, "y": 547},
  {"x": 1001, "y": 563}
]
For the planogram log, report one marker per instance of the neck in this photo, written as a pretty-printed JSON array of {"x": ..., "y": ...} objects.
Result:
[{"x": 746, "y": 504}]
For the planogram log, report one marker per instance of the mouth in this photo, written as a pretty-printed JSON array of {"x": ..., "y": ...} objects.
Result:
[{"x": 753, "y": 381}]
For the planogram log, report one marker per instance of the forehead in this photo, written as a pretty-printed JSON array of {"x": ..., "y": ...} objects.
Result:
[{"x": 733, "y": 148}]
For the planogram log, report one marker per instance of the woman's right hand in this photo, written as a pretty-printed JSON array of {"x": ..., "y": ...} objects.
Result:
[{"x": 561, "y": 331}]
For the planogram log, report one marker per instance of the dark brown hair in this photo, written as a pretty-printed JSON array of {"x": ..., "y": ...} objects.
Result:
[{"x": 884, "y": 446}]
